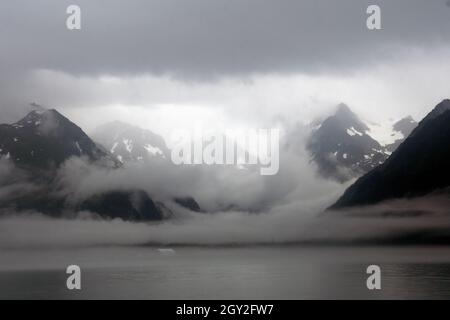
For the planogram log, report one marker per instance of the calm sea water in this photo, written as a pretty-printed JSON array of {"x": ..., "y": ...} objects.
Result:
[{"x": 291, "y": 272}]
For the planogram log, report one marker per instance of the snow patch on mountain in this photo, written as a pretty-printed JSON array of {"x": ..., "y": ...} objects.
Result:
[
  {"x": 79, "y": 148},
  {"x": 153, "y": 150},
  {"x": 114, "y": 147},
  {"x": 128, "y": 144},
  {"x": 353, "y": 132}
]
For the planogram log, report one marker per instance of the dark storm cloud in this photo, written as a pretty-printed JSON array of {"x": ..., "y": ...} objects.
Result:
[{"x": 203, "y": 38}]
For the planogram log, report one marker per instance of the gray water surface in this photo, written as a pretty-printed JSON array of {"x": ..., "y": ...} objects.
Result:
[{"x": 290, "y": 272}]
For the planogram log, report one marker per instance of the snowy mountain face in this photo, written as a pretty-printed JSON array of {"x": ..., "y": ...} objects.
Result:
[
  {"x": 45, "y": 139},
  {"x": 129, "y": 143},
  {"x": 344, "y": 147}
]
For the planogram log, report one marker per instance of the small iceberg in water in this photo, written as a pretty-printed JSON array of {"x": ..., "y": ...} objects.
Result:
[{"x": 166, "y": 251}]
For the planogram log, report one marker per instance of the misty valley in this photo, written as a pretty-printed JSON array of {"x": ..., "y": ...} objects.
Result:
[
  {"x": 94, "y": 201},
  {"x": 207, "y": 150}
]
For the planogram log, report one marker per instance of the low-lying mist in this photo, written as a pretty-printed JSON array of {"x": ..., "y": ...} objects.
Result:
[{"x": 287, "y": 224}]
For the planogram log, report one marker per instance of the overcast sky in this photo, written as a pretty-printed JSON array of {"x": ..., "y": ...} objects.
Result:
[{"x": 165, "y": 63}]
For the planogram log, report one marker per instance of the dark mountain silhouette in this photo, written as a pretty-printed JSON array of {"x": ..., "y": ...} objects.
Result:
[
  {"x": 45, "y": 139},
  {"x": 189, "y": 203},
  {"x": 133, "y": 205},
  {"x": 419, "y": 166}
]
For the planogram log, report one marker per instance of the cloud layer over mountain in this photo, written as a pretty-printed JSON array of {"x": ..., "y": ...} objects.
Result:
[
  {"x": 202, "y": 39},
  {"x": 152, "y": 63}
]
